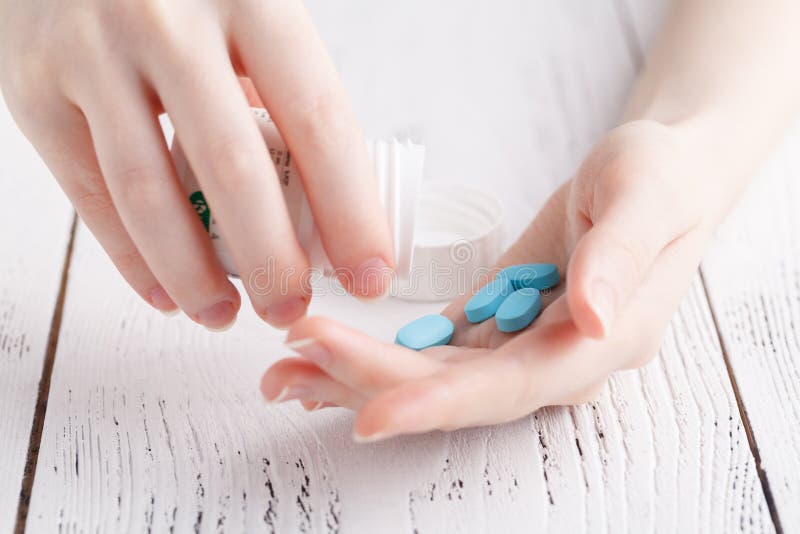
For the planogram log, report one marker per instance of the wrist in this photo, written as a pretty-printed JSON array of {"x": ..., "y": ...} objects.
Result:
[
  {"x": 729, "y": 144},
  {"x": 723, "y": 160},
  {"x": 709, "y": 167}
]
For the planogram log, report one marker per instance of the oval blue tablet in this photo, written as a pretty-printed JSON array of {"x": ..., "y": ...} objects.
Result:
[
  {"x": 535, "y": 275},
  {"x": 518, "y": 310},
  {"x": 427, "y": 331},
  {"x": 485, "y": 302}
]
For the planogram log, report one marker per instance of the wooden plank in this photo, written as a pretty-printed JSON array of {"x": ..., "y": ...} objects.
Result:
[
  {"x": 36, "y": 221},
  {"x": 156, "y": 424},
  {"x": 663, "y": 449},
  {"x": 753, "y": 279}
]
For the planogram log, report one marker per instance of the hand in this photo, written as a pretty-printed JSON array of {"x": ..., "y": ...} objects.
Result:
[
  {"x": 632, "y": 224},
  {"x": 86, "y": 82}
]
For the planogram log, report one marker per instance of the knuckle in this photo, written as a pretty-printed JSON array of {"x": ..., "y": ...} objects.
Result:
[
  {"x": 79, "y": 40},
  {"x": 82, "y": 28},
  {"x": 153, "y": 12},
  {"x": 93, "y": 203},
  {"x": 60, "y": 49},
  {"x": 233, "y": 165},
  {"x": 324, "y": 122},
  {"x": 154, "y": 32},
  {"x": 73, "y": 48},
  {"x": 136, "y": 185},
  {"x": 25, "y": 84},
  {"x": 149, "y": 19}
]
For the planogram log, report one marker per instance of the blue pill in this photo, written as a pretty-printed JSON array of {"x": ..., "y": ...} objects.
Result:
[
  {"x": 427, "y": 331},
  {"x": 485, "y": 302},
  {"x": 534, "y": 275},
  {"x": 518, "y": 310}
]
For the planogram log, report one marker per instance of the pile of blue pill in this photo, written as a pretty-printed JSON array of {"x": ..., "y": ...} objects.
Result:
[{"x": 512, "y": 298}]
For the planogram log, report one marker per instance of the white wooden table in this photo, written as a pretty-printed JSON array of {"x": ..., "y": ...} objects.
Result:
[{"x": 114, "y": 418}]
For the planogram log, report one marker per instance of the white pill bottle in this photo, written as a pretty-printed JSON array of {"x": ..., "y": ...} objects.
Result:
[{"x": 397, "y": 168}]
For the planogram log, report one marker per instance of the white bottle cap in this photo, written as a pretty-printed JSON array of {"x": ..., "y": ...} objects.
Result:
[{"x": 458, "y": 238}]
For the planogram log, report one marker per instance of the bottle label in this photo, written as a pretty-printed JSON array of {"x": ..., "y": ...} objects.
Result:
[
  {"x": 200, "y": 205},
  {"x": 288, "y": 177},
  {"x": 397, "y": 168}
]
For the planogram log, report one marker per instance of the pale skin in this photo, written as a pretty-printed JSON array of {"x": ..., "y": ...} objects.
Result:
[
  {"x": 86, "y": 81},
  {"x": 629, "y": 229}
]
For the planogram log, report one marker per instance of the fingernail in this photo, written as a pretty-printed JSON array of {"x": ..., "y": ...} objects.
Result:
[
  {"x": 279, "y": 397},
  {"x": 161, "y": 301},
  {"x": 315, "y": 407},
  {"x": 603, "y": 302},
  {"x": 371, "y": 438},
  {"x": 290, "y": 393},
  {"x": 218, "y": 317},
  {"x": 286, "y": 312},
  {"x": 372, "y": 278},
  {"x": 309, "y": 348}
]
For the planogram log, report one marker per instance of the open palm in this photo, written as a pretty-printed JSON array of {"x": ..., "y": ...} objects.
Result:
[{"x": 628, "y": 230}]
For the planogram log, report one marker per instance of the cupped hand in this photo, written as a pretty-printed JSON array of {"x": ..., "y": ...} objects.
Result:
[
  {"x": 629, "y": 230},
  {"x": 86, "y": 82}
]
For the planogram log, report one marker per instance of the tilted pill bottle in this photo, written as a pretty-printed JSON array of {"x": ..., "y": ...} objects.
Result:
[{"x": 397, "y": 166}]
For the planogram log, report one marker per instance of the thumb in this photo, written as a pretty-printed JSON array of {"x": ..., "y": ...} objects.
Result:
[{"x": 612, "y": 258}]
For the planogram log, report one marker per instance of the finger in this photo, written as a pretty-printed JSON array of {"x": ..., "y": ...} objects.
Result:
[
  {"x": 297, "y": 378},
  {"x": 361, "y": 362},
  {"x": 550, "y": 363},
  {"x": 631, "y": 227},
  {"x": 135, "y": 161},
  {"x": 250, "y": 92},
  {"x": 313, "y": 406},
  {"x": 65, "y": 144},
  {"x": 299, "y": 85},
  {"x": 228, "y": 155},
  {"x": 553, "y": 363}
]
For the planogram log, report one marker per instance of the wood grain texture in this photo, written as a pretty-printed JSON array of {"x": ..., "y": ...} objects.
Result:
[
  {"x": 662, "y": 450},
  {"x": 753, "y": 278},
  {"x": 155, "y": 424},
  {"x": 35, "y": 221}
]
